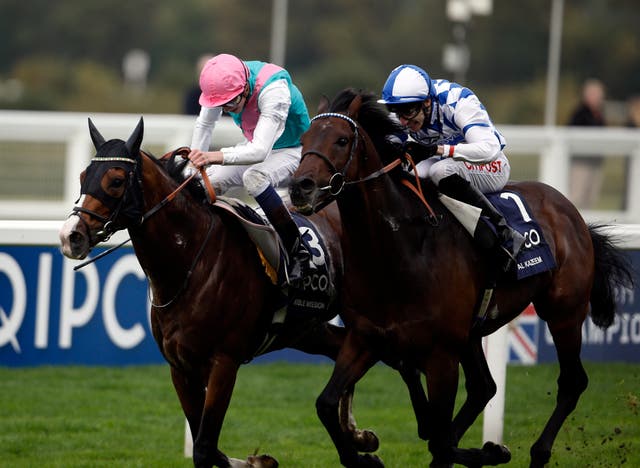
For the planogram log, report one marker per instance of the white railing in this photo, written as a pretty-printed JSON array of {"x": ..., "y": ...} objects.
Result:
[
  {"x": 556, "y": 145},
  {"x": 553, "y": 145},
  {"x": 71, "y": 129}
]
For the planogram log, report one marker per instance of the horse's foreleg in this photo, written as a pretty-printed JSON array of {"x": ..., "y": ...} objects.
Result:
[
  {"x": 191, "y": 393},
  {"x": 419, "y": 402},
  {"x": 441, "y": 370},
  {"x": 479, "y": 384},
  {"x": 572, "y": 381},
  {"x": 327, "y": 339},
  {"x": 352, "y": 363},
  {"x": 222, "y": 378},
  {"x": 442, "y": 382},
  {"x": 364, "y": 440}
]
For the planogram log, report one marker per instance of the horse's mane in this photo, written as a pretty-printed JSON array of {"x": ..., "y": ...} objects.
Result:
[
  {"x": 173, "y": 165},
  {"x": 373, "y": 118}
]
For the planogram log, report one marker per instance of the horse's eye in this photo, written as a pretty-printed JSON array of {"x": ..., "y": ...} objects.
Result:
[
  {"x": 117, "y": 183},
  {"x": 343, "y": 141}
]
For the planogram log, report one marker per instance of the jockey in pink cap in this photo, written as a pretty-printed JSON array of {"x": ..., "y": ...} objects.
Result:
[{"x": 270, "y": 110}]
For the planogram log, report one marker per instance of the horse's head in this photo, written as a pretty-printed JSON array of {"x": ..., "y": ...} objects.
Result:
[
  {"x": 341, "y": 147},
  {"x": 110, "y": 194}
]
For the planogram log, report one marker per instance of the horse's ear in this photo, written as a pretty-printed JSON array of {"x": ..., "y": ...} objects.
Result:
[
  {"x": 96, "y": 137},
  {"x": 135, "y": 140},
  {"x": 323, "y": 106},
  {"x": 354, "y": 107}
]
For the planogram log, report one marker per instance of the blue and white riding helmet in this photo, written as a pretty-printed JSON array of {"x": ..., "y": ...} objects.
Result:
[{"x": 407, "y": 83}]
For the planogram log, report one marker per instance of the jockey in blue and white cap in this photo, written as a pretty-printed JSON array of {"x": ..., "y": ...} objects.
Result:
[{"x": 453, "y": 140}]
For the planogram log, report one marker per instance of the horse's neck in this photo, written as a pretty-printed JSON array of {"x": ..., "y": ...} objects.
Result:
[
  {"x": 371, "y": 213},
  {"x": 169, "y": 238}
]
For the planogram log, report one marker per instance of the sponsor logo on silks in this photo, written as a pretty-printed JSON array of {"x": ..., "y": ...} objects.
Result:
[{"x": 491, "y": 167}]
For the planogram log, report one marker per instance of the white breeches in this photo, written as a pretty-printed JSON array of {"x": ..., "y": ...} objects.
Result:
[
  {"x": 276, "y": 170},
  {"x": 489, "y": 177}
]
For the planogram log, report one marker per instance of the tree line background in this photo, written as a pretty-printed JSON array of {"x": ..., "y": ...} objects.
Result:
[{"x": 67, "y": 55}]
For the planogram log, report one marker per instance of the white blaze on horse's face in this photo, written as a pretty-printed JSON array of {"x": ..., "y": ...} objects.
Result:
[
  {"x": 70, "y": 226},
  {"x": 73, "y": 243}
]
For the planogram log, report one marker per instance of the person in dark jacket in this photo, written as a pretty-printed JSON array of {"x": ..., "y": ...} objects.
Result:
[{"x": 586, "y": 171}]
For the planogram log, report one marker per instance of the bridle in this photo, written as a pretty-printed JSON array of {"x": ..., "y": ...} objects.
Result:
[
  {"x": 338, "y": 181},
  {"x": 109, "y": 226}
]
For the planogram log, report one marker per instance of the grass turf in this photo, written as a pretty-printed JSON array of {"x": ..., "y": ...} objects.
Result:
[{"x": 130, "y": 416}]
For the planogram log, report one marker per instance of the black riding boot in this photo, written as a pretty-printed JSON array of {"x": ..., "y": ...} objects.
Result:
[
  {"x": 281, "y": 220},
  {"x": 460, "y": 189}
]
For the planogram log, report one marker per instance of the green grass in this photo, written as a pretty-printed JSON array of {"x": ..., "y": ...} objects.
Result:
[{"x": 91, "y": 416}]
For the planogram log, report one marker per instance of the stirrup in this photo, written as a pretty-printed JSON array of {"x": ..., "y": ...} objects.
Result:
[
  {"x": 517, "y": 241},
  {"x": 298, "y": 264}
]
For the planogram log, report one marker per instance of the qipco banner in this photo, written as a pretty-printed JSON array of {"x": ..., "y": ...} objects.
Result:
[
  {"x": 51, "y": 314},
  {"x": 619, "y": 342},
  {"x": 97, "y": 315}
]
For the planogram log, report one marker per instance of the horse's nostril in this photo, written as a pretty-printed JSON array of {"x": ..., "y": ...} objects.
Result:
[
  {"x": 307, "y": 184},
  {"x": 76, "y": 238}
]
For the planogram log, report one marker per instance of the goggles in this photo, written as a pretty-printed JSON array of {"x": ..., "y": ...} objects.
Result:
[
  {"x": 406, "y": 111},
  {"x": 234, "y": 102}
]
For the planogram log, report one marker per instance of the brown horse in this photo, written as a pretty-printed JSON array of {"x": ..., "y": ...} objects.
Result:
[
  {"x": 212, "y": 302},
  {"x": 414, "y": 280}
]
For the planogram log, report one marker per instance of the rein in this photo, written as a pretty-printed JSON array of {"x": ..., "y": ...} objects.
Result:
[{"x": 188, "y": 275}]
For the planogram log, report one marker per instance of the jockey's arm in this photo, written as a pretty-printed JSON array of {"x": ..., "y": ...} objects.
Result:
[
  {"x": 274, "y": 103},
  {"x": 481, "y": 144},
  {"x": 205, "y": 123}
]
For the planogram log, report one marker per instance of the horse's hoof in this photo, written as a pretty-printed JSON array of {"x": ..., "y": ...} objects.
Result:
[
  {"x": 254, "y": 461},
  {"x": 366, "y": 441},
  {"x": 539, "y": 458},
  {"x": 496, "y": 453},
  {"x": 262, "y": 461},
  {"x": 370, "y": 461},
  {"x": 438, "y": 464}
]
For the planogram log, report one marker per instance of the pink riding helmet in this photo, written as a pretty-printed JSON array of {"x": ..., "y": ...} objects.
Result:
[{"x": 222, "y": 78}]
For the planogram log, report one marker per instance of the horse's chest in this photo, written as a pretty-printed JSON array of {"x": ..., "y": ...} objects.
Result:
[{"x": 178, "y": 345}]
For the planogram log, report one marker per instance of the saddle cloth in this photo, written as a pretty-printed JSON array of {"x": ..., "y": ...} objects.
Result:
[
  {"x": 535, "y": 256},
  {"x": 313, "y": 295}
]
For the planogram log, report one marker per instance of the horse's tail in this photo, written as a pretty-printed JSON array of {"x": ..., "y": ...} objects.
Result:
[{"x": 612, "y": 269}]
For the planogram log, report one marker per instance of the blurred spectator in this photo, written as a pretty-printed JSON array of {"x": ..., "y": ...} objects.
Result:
[
  {"x": 586, "y": 171},
  {"x": 191, "y": 106},
  {"x": 633, "y": 111}
]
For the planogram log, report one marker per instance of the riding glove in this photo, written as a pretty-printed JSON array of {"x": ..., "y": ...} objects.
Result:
[{"x": 420, "y": 151}]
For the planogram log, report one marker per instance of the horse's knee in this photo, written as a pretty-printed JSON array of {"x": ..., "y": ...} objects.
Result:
[
  {"x": 484, "y": 393},
  {"x": 326, "y": 408},
  {"x": 571, "y": 385}
]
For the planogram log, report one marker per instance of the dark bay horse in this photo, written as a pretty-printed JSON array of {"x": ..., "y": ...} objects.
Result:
[
  {"x": 413, "y": 281},
  {"x": 212, "y": 302}
]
